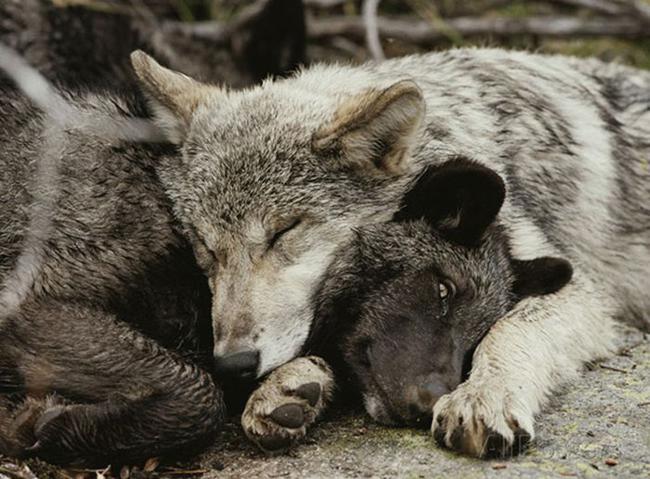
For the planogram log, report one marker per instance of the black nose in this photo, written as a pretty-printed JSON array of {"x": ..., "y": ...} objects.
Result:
[
  {"x": 241, "y": 365},
  {"x": 423, "y": 398}
]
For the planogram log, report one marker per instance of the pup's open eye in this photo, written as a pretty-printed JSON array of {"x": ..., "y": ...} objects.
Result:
[
  {"x": 446, "y": 289},
  {"x": 280, "y": 233}
]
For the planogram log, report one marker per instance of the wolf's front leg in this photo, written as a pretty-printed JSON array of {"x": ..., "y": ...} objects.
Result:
[
  {"x": 290, "y": 400},
  {"x": 542, "y": 343},
  {"x": 132, "y": 398}
]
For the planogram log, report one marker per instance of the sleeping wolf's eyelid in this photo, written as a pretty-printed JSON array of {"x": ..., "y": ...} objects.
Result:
[
  {"x": 203, "y": 251},
  {"x": 277, "y": 236}
]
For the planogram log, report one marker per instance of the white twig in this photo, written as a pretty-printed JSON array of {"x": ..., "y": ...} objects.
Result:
[
  {"x": 63, "y": 117},
  {"x": 35, "y": 86},
  {"x": 67, "y": 115},
  {"x": 20, "y": 281},
  {"x": 369, "y": 14}
]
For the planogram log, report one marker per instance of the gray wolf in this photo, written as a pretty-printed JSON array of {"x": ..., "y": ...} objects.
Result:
[
  {"x": 102, "y": 353},
  {"x": 100, "y": 363},
  {"x": 274, "y": 179},
  {"x": 116, "y": 258}
]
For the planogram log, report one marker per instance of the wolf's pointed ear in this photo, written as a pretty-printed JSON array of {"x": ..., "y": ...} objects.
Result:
[
  {"x": 375, "y": 129},
  {"x": 174, "y": 96},
  {"x": 459, "y": 198},
  {"x": 540, "y": 276}
]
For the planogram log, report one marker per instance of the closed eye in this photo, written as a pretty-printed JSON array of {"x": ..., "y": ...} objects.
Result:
[
  {"x": 205, "y": 257},
  {"x": 280, "y": 233}
]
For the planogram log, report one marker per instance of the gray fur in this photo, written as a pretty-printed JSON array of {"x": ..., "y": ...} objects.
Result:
[
  {"x": 554, "y": 128},
  {"x": 91, "y": 258},
  {"x": 336, "y": 147},
  {"x": 407, "y": 302},
  {"x": 115, "y": 267}
]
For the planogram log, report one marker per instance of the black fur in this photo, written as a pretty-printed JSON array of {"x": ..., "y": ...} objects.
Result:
[{"x": 405, "y": 345}]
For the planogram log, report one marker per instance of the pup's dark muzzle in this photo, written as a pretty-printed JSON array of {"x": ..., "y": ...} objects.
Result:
[{"x": 422, "y": 398}]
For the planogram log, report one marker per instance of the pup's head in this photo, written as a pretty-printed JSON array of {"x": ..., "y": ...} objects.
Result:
[
  {"x": 414, "y": 297},
  {"x": 270, "y": 182}
]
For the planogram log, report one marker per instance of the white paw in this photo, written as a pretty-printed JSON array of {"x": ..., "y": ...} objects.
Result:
[
  {"x": 482, "y": 419},
  {"x": 290, "y": 400}
]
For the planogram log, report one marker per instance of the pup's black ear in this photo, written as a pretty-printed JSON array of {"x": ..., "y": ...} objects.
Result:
[
  {"x": 540, "y": 276},
  {"x": 460, "y": 199}
]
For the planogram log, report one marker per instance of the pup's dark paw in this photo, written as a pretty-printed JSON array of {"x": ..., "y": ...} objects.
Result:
[{"x": 280, "y": 411}]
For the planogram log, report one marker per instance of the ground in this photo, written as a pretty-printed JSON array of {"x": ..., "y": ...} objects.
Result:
[
  {"x": 599, "y": 426},
  {"x": 602, "y": 417}
]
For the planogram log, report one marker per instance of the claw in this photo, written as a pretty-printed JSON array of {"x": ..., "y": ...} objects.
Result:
[
  {"x": 47, "y": 417},
  {"x": 33, "y": 449}
]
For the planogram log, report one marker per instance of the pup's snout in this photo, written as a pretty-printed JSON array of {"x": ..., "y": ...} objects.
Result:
[
  {"x": 421, "y": 399},
  {"x": 240, "y": 366}
]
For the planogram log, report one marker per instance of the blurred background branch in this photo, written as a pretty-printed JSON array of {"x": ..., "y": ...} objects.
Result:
[
  {"x": 187, "y": 32},
  {"x": 362, "y": 29}
]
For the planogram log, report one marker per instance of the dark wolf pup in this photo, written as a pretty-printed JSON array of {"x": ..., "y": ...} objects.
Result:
[{"x": 407, "y": 302}]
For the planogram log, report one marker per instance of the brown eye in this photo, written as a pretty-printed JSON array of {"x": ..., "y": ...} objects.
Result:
[
  {"x": 446, "y": 289},
  {"x": 280, "y": 233}
]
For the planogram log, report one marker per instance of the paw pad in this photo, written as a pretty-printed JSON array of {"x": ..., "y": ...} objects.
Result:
[
  {"x": 274, "y": 443},
  {"x": 289, "y": 415},
  {"x": 310, "y": 392},
  {"x": 281, "y": 410}
]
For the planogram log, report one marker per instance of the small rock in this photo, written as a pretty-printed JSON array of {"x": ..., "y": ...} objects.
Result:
[
  {"x": 499, "y": 465},
  {"x": 610, "y": 461}
]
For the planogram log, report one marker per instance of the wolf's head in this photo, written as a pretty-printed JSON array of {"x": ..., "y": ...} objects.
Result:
[
  {"x": 412, "y": 299},
  {"x": 270, "y": 182}
]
